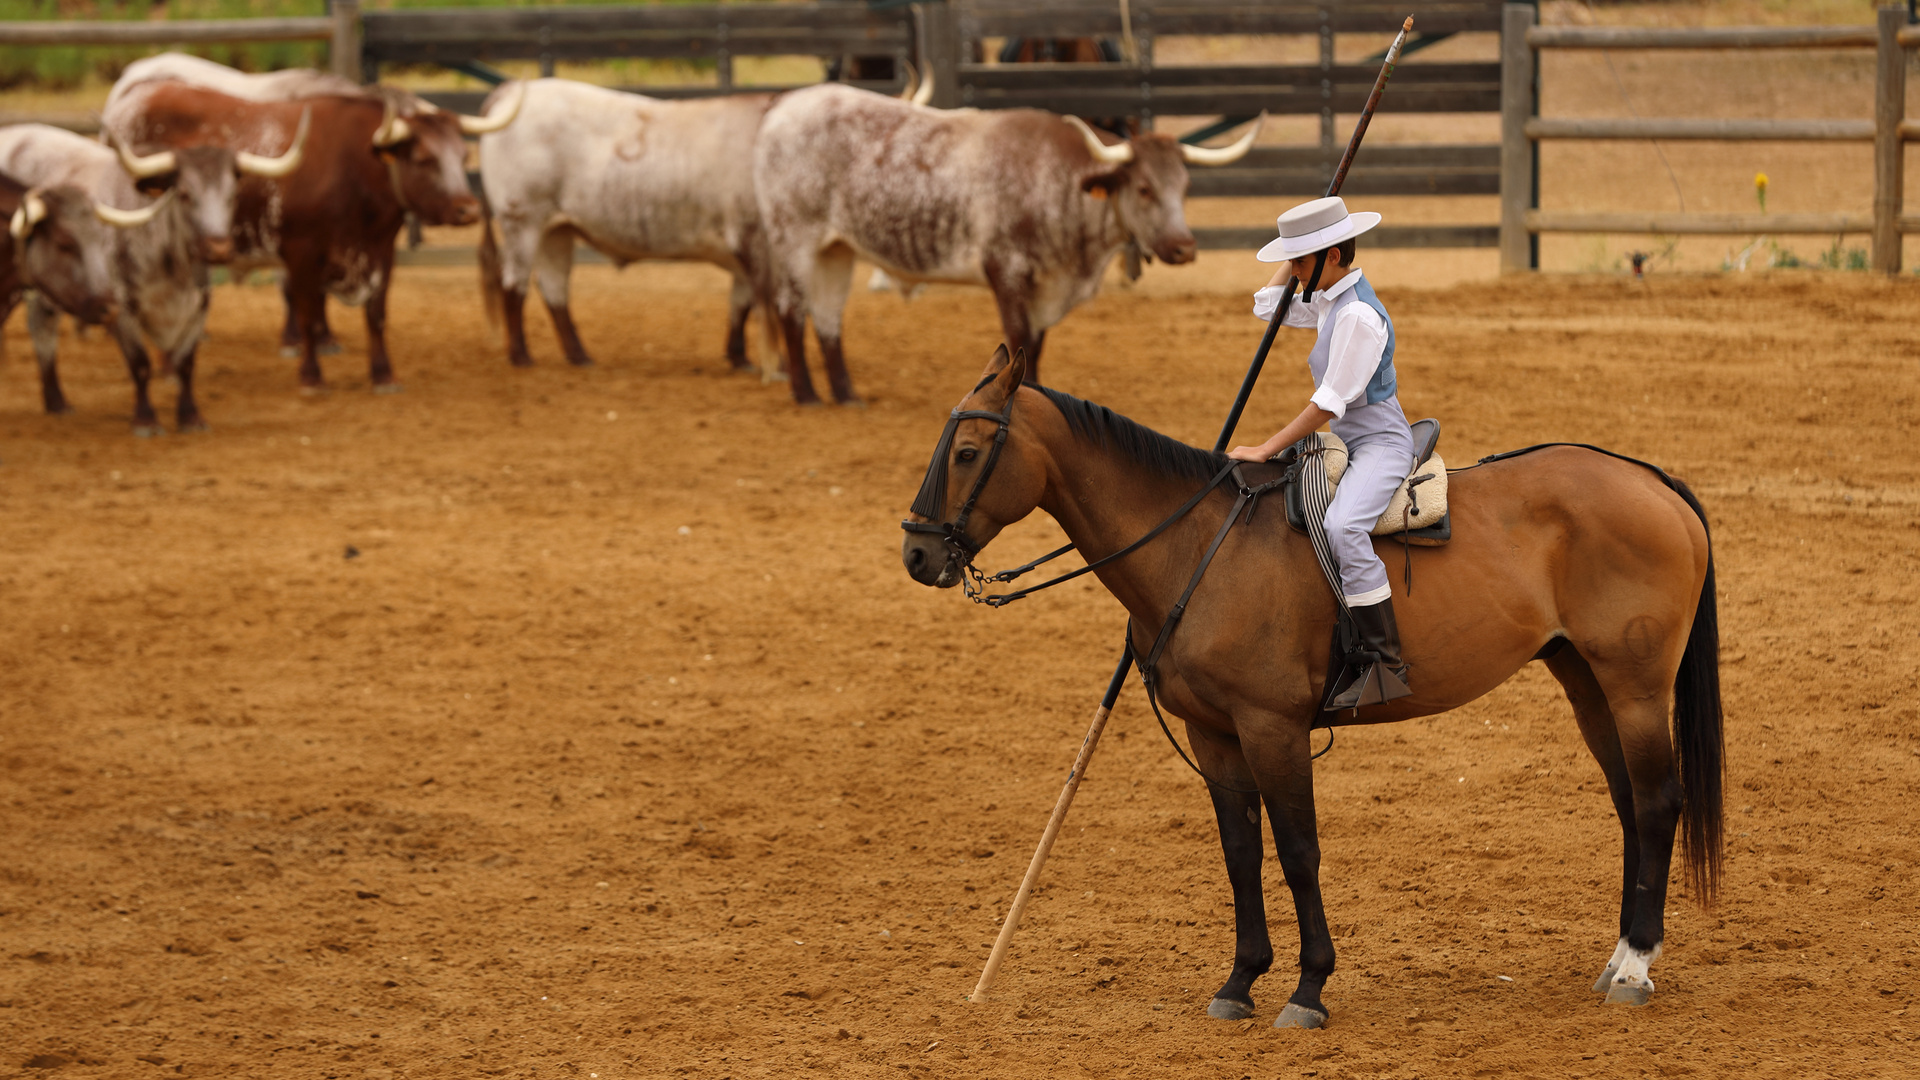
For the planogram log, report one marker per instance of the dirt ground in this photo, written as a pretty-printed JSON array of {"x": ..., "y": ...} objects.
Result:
[{"x": 624, "y": 746}]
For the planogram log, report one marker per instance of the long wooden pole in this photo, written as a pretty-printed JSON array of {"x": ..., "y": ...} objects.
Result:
[{"x": 1087, "y": 745}]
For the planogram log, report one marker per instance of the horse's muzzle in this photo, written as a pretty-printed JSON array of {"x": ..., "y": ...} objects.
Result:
[{"x": 929, "y": 561}]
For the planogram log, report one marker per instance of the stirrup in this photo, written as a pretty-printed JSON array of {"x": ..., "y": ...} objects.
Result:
[{"x": 1376, "y": 685}]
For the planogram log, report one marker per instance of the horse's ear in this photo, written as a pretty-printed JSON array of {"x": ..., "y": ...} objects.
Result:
[
  {"x": 997, "y": 364},
  {"x": 1017, "y": 371}
]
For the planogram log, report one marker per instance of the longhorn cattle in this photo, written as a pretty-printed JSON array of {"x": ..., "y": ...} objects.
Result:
[
  {"x": 637, "y": 178},
  {"x": 1032, "y": 205},
  {"x": 55, "y": 245},
  {"x": 291, "y": 84},
  {"x": 158, "y": 259},
  {"x": 373, "y": 156}
]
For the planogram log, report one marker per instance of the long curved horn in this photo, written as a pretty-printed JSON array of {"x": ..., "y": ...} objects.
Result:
[
  {"x": 392, "y": 130},
  {"x": 1225, "y": 155},
  {"x": 925, "y": 93},
  {"x": 913, "y": 82},
  {"x": 33, "y": 210},
  {"x": 487, "y": 125},
  {"x": 1112, "y": 155},
  {"x": 145, "y": 168},
  {"x": 130, "y": 219},
  {"x": 275, "y": 167}
]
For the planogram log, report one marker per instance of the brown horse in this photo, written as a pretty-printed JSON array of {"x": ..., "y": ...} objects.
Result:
[{"x": 1598, "y": 566}]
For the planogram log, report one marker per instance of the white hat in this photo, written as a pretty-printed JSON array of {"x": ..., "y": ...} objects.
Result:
[{"x": 1315, "y": 226}]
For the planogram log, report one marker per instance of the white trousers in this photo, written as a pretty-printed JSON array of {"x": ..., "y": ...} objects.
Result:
[{"x": 1375, "y": 468}]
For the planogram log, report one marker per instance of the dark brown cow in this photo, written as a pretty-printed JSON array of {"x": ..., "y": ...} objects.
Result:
[{"x": 371, "y": 158}]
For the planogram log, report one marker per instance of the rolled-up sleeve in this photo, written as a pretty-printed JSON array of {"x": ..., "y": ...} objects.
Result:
[{"x": 1357, "y": 340}]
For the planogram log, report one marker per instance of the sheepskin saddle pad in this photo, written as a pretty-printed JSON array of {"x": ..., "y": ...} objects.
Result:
[{"x": 1417, "y": 513}]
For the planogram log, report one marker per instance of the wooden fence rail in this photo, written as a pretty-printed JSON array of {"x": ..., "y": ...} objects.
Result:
[{"x": 1522, "y": 222}]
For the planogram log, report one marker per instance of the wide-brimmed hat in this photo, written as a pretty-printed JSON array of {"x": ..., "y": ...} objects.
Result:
[{"x": 1316, "y": 226}]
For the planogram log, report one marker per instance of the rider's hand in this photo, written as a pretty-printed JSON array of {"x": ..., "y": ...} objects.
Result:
[
  {"x": 1248, "y": 453},
  {"x": 1266, "y": 302}
]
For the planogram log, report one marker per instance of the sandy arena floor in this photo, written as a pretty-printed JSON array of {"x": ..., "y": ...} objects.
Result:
[{"x": 625, "y": 747}]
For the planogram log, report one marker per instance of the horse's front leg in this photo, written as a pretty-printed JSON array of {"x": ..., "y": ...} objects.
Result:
[
  {"x": 1238, "y": 814},
  {"x": 1280, "y": 754}
]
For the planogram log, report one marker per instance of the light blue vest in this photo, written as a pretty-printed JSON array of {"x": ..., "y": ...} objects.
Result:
[{"x": 1382, "y": 385}]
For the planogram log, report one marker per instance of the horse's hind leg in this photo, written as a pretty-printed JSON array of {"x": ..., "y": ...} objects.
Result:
[
  {"x": 1238, "y": 814},
  {"x": 1646, "y": 796}
]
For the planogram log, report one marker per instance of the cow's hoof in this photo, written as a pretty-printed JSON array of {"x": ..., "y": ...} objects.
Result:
[
  {"x": 742, "y": 368},
  {"x": 1229, "y": 1009},
  {"x": 1629, "y": 994},
  {"x": 148, "y": 431},
  {"x": 289, "y": 352},
  {"x": 851, "y": 402},
  {"x": 1605, "y": 982},
  {"x": 816, "y": 403},
  {"x": 388, "y": 388},
  {"x": 1299, "y": 1016},
  {"x": 193, "y": 427}
]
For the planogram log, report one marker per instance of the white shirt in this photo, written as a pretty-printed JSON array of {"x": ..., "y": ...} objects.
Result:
[{"x": 1356, "y": 341}]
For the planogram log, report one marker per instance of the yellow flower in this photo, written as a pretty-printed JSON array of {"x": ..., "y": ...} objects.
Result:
[{"x": 1760, "y": 190}]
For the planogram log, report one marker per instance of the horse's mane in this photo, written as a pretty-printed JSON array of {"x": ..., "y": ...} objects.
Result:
[{"x": 1108, "y": 429}]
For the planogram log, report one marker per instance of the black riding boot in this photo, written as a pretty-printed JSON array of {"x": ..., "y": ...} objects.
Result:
[{"x": 1384, "y": 677}]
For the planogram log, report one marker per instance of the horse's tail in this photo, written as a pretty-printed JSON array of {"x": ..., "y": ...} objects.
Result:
[
  {"x": 1698, "y": 738},
  {"x": 491, "y": 290}
]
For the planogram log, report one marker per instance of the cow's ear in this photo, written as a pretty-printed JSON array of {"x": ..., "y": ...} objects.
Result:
[{"x": 1101, "y": 185}]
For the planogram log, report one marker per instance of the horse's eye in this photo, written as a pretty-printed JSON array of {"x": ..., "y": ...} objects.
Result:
[{"x": 966, "y": 455}]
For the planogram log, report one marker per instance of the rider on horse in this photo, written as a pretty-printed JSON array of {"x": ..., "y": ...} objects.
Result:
[{"x": 1352, "y": 366}]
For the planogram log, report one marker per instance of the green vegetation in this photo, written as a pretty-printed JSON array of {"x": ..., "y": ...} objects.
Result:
[{"x": 71, "y": 67}]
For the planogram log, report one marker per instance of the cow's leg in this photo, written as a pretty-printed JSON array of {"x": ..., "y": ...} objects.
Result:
[
  {"x": 553, "y": 270},
  {"x": 1238, "y": 814},
  {"x": 290, "y": 334},
  {"x": 379, "y": 364},
  {"x": 827, "y": 302},
  {"x": 186, "y": 410},
  {"x": 43, "y": 325},
  {"x": 793, "y": 327},
  {"x": 739, "y": 307},
  {"x": 309, "y": 299},
  {"x": 1011, "y": 288},
  {"x": 513, "y": 304},
  {"x": 140, "y": 369}
]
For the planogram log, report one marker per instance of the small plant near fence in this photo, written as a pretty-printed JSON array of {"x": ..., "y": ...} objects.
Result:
[{"x": 1765, "y": 253}]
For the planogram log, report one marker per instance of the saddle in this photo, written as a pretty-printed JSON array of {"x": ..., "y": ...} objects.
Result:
[{"x": 1417, "y": 514}]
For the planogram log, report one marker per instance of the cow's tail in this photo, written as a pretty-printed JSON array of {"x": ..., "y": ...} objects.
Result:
[
  {"x": 1698, "y": 737},
  {"x": 490, "y": 287}
]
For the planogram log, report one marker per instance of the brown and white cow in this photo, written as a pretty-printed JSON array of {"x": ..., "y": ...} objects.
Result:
[
  {"x": 158, "y": 259},
  {"x": 1032, "y": 205},
  {"x": 373, "y": 157},
  {"x": 634, "y": 176}
]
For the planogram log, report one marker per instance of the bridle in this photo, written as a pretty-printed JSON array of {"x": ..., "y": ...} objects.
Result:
[{"x": 930, "y": 503}]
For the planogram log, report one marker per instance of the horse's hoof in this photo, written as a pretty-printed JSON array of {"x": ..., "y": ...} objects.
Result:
[
  {"x": 1229, "y": 1009},
  {"x": 768, "y": 376},
  {"x": 1605, "y": 981},
  {"x": 148, "y": 431},
  {"x": 850, "y": 403},
  {"x": 329, "y": 348},
  {"x": 289, "y": 352},
  {"x": 387, "y": 388},
  {"x": 742, "y": 369},
  {"x": 816, "y": 403},
  {"x": 315, "y": 390},
  {"x": 1629, "y": 994},
  {"x": 1299, "y": 1016},
  {"x": 193, "y": 427}
]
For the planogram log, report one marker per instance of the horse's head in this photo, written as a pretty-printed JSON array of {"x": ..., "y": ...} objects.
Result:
[{"x": 983, "y": 477}]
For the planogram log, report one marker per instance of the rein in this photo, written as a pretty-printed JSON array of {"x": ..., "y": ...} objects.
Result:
[{"x": 929, "y": 503}]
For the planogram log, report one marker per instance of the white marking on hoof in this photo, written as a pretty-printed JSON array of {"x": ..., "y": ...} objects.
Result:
[
  {"x": 1229, "y": 1009},
  {"x": 1613, "y": 967},
  {"x": 1631, "y": 985},
  {"x": 1299, "y": 1016}
]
